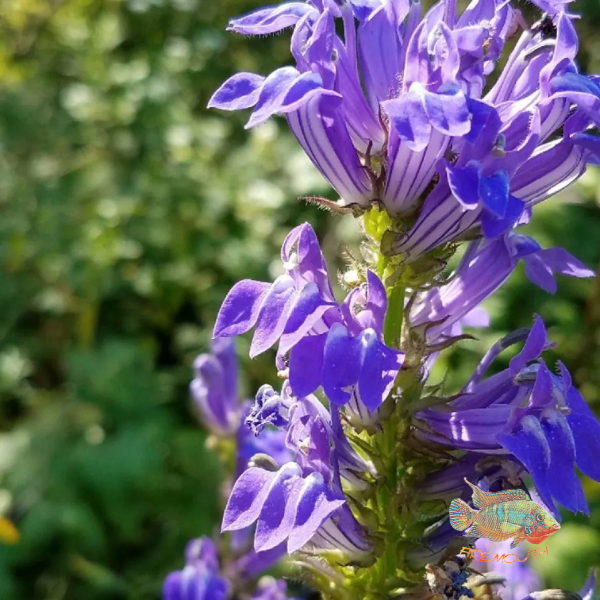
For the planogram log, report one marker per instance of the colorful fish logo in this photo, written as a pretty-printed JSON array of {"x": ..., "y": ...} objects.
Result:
[{"x": 503, "y": 515}]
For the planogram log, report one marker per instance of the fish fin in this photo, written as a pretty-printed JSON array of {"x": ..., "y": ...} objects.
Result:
[
  {"x": 516, "y": 542},
  {"x": 461, "y": 514},
  {"x": 499, "y": 536},
  {"x": 475, "y": 531},
  {"x": 482, "y": 499}
]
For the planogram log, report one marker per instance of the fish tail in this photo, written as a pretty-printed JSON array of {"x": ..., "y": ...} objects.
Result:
[{"x": 461, "y": 515}]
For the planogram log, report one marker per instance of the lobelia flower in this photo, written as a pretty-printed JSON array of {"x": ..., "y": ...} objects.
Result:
[
  {"x": 214, "y": 389},
  {"x": 215, "y": 393},
  {"x": 482, "y": 270},
  {"x": 423, "y": 137},
  {"x": 521, "y": 579},
  {"x": 529, "y": 413},
  {"x": 323, "y": 343},
  {"x": 300, "y": 503},
  {"x": 286, "y": 411},
  {"x": 269, "y": 588},
  {"x": 393, "y": 107},
  {"x": 200, "y": 578}
]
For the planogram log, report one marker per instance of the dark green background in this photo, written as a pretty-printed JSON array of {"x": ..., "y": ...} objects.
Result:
[{"x": 126, "y": 213}]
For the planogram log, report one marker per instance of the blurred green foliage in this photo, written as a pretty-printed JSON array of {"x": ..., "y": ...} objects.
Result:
[{"x": 127, "y": 212}]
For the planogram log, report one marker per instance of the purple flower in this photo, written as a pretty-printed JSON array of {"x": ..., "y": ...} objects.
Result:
[
  {"x": 483, "y": 269},
  {"x": 521, "y": 579},
  {"x": 529, "y": 412},
  {"x": 271, "y": 589},
  {"x": 394, "y": 111},
  {"x": 296, "y": 416},
  {"x": 268, "y": 441},
  {"x": 300, "y": 504},
  {"x": 215, "y": 394},
  {"x": 215, "y": 388},
  {"x": 323, "y": 343},
  {"x": 200, "y": 578}
]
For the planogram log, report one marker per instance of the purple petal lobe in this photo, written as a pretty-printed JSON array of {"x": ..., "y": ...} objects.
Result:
[
  {"x": 561, "y": 261},
  {"x": 308, "y": 308},
  {"x": 379, "y": 369},
  {"x": 586, "y": 433},
  {"x": 270, "y": 20},
  {"x": 314, "y": 505},
  {"x": 447, "y": 111},
  {"x": 531, "y": 447},
  {"x": 282, "y": 91},
  {"x": 542, "y": 393},
  {"x": 277, "y": 515},
  {"x": 563, "y": 483},
  {"x": 247, "y": 499},
  {"x": 238, "y": 92},
  {"x": 493, "y": 227},
  {"x": 464, "y": 184},
  {"x": 533, "y": 348},
  {"x": 273, "y": 315},
  {"x": 342, "y": 364},
  {"x": 240, "y": 308},
  {"x": 409, "y": 119},
  {"x": 306, "y": 364},
  {"x": 494, "y": 193},
  {"x": 540, "y": 273}
]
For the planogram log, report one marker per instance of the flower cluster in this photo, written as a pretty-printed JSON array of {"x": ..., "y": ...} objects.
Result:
[
  {"x": 396, "y": 112},
  {"x": 215, "y": 393},
  {"x": 201, "y": 578},
  {"x": 359, "y": 455}
]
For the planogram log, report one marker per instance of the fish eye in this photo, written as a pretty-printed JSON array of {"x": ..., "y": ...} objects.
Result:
[{"x": 540, "y": 517}]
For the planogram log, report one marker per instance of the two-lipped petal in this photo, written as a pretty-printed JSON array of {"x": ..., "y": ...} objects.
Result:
[{"x": 285, "y": 505}]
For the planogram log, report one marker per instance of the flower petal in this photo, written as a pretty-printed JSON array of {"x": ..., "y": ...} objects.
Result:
[
  {"x": 306, "y": 364},
  {"x": 241, "y": 307},
  {"x": 534, "y": 346},
  {"x": 447, "y": 109},
  {"x": 494, "y": 194},
  {"x": 563, "y": 262},
  {"x": 379, "y": 369},
  {"x": 315, "y": 503},
  {"x": 270, "y": 20},
  {"x": 273, "y": 314},
  {"x": 308, "y": 308},
  {"x": 409, "y": 119},
  {"x": 321, "y": 131},
  {"x": 542, "y": 392},
  {"x": 530, "y": 446},
  {"x": 493, "y": 227},
  {"x": 238, "y": 92},
  {"x": 283, "y": 91},
  {"x": 464, "y": 184},
  {"x": 246, "y": 499},
  {"x": 564, "y": 485},
  {"x": 277, "y": 515},
  {"x": 341, "y": 364},
  {"x": 586, "y": 433},
  {"x": 380, "y": 54}
]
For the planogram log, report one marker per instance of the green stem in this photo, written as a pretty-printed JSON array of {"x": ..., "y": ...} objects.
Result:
[
  {"x": 389, "y": 560},
  {"x": 392, "y": 327}
]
